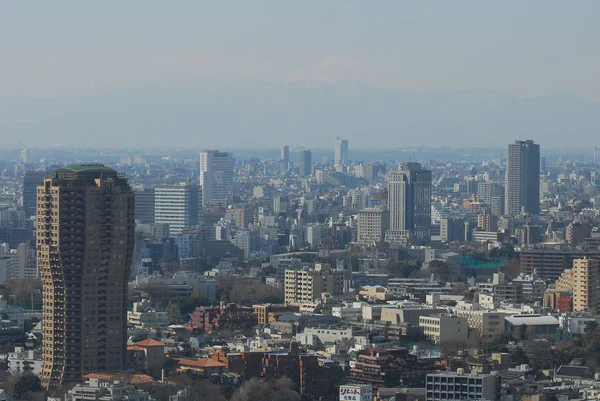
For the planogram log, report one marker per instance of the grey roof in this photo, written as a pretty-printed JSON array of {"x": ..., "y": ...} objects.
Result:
[
  {"x": 575, "y": 371},
  {"x": 532, "y": 320},
  {"x": 300, "y": 318}
]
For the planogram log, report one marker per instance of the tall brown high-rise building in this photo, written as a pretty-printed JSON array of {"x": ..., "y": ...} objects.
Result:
[{"x": 85, "y": 240}]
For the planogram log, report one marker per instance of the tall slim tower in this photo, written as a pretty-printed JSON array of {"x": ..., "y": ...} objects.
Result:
[
  {"x": 522, "y": 190},
  {"x": 305, "y": 163},
  {"x": 341, "y": 151},
  {"x": 85, "y": 241},
  {"x": 409, "y": 193},
  {"x": 285, "y": 156},
  {"x": 216, "y": 175},
  {"x": 26, "y": 156}
]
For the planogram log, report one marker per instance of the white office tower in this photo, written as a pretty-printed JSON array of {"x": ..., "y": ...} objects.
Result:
[
  {"x": 26, "y": 156},
  {"x": 216, "y": 175},
  {"x": 177, "y": 206},
  {"x": 409, "y": 201},
  {"x": 522, "y": 190},
  {"x": 341, "y": 151}
]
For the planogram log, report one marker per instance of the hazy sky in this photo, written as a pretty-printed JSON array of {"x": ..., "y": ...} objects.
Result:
[
  {"x": 261, "y": 73},
  {"x": 58, "y": 48}
]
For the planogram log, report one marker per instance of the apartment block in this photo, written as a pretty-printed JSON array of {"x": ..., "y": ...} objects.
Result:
[
  {"x": 307, "y": 284},
  {"x": 445, "y": 386},
  {"x": 85, "y": 240},
  {"x": 583, "y": 281}
]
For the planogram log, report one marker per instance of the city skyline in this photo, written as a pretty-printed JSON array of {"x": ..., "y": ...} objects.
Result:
[
  {"x": 471, "y": 78},
  {"x": 299, "y": 201}
]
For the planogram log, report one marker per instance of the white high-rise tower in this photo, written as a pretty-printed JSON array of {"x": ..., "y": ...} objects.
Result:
[
  {"x": 216, "y": 175},
  {"x": 341, "y": 151}
]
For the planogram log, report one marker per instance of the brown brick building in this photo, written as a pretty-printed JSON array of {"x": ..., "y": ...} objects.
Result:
[
  {"x": 85, "y": 240},
  {"x": 223, "y": 317},
  {"x": 308, "y": 375}
]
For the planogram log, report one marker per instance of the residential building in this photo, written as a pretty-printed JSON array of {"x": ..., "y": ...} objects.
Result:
[
  {"x": 147, "y": 355},
  {"x": 205, "y": 367},
  {"x": 143, "y": 316},
  {"x": 372, "y": 225},
  {"x": 11, "y": 316},
  {"x": 23, "y": 264},
  {"x": 550, "y": 263},
  {"x": 104, "y": 390},
  {"x": 409, "y": 193},
  {"x": 224, "y": 316},
  {"x": 445, "y": 386},
  {"x": 583, "y": 281},
  {"x": 177, "y": 206},
  {"x": 22, "y": 360},
  {"x": 308, "y": 284},
  {"x": 379, "y": 368},
  {"x": 216, "y": 175},
  {"x": 486, "y": 190},
  {"x": 445, "y": 328},
  {"x": 522, "y": 188},
  {"x": 85, "y": 240},
  {"x": 487, "y": 222},
  {"x": 314, "y": 336},
  {"x": 268, "y": 313},
  {"x": 313, "y": 234}
]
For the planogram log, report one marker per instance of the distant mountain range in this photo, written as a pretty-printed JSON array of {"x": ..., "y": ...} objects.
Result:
[{"x": 302, "y": 115}]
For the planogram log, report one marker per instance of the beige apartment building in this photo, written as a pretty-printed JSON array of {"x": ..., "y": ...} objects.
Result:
[
  {"x": 306, "y": 285},
  {"x": 445, "y": 328},
  {"x": 85, "y": 239},
  {"x": 583, "y": 281}
]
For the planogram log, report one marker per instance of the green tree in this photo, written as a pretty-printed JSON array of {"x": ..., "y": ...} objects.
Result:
[
  {"x": 519, "y": 356},
  {"x": 273, "y": 390},
  {"x": 27, "y": 384}
]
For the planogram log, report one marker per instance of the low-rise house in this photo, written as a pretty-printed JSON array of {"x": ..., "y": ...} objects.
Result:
[
  {"x": 148, "y": 355},
  {"x": 21, "y": 360},
  {"x": 321, "y": 335},
  {"x": 574, "y": 373},
  {"x": 204, "y": 367},
  {"x": 104, "y": 390},
  {"x": 143, "y": 316}
]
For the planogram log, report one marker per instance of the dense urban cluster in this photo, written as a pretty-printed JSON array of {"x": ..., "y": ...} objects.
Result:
[{"x": 306, "y": 275}]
